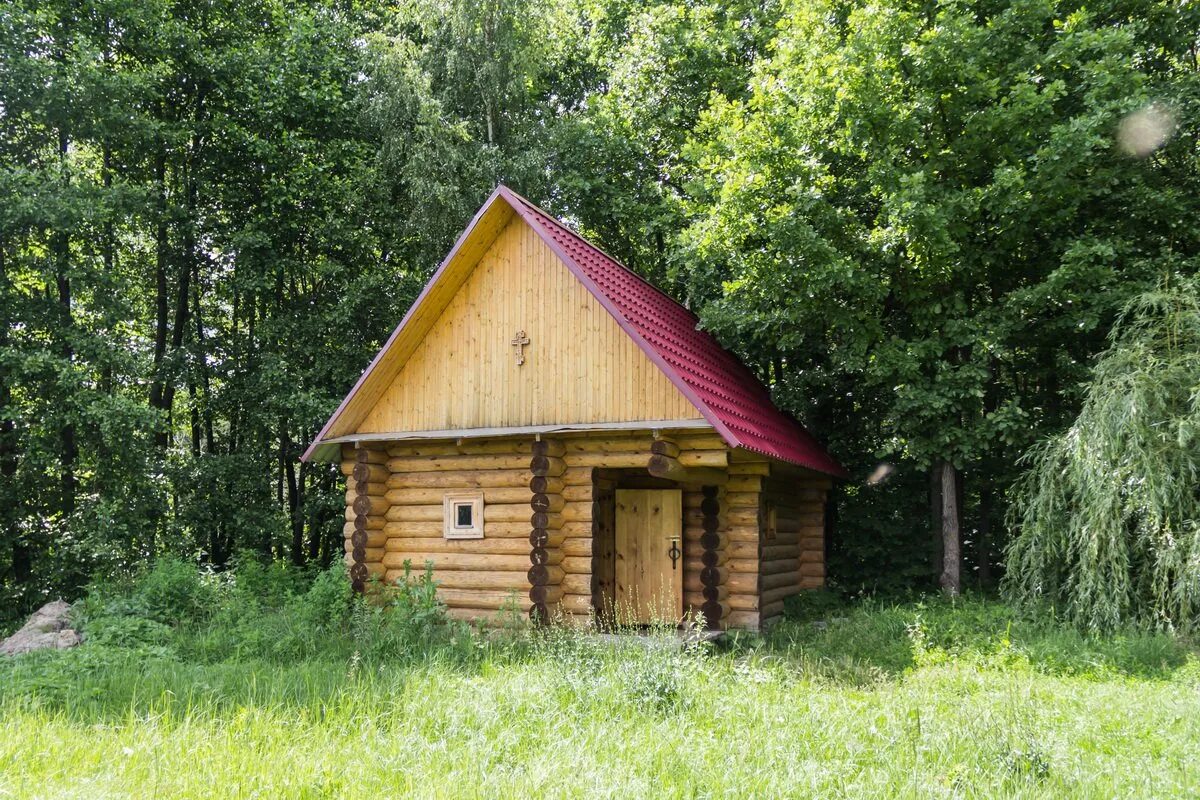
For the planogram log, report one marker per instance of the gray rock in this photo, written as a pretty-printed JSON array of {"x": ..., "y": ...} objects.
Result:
[{"x": 47, "y": 628}]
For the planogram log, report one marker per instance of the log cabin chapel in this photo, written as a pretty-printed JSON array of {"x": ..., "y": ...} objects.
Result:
[{"x": 546, "y": 426}]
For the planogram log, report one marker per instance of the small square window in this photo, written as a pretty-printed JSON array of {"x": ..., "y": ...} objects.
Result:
[{"x": 463, "y": 518}]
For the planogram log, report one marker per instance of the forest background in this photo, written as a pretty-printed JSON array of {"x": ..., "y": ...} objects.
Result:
[{"x": 916, "y": 221}]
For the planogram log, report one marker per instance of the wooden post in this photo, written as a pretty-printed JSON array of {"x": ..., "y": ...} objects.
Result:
[
  {"x": 544, "y": 578},
  {"x": 363, "y": 469},
  {"x": 710, "y": 577}
]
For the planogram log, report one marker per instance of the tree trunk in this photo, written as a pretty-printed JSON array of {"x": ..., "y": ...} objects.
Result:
[
  {"x": 161, "y": 302},
  {"x": 22, "y": 564},
  {"x": 951, "y": 578},
  {"x": 985, "y": 537},
  {"x": 308, "y": 522},
  {"x": 293, "y": 493},
  {"x": 935, "y": 521},
  {"x": 61, "y": 245},
  {"x": 205, "y": 412}
]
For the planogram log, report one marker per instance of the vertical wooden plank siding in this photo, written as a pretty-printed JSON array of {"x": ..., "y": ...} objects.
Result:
[{"x": 579, "y": 365}]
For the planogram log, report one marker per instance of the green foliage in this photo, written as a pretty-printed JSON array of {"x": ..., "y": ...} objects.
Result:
[
  {"x": 268, "y": 612},
  {"x": 1108, "y": 513},
  {"x": 914, "y": 222},
  {"x": 174, "y": 592},
  {"x": 865, "y": 642},
  {"x": 814, "y": 605},
  {"x": 919, "y": 226},
  {"x": 405, "y": 618},
  {"x": 116, "y": 630}
]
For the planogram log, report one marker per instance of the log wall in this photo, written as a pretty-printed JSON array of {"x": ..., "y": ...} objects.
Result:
[
  {"x": 740, "y": 503},
  {"x": 794, "y": 558},
  {"x": 477, "y": 577},
  {"x": 546, "y": 508},
  {"x": 587, "y": 510}
]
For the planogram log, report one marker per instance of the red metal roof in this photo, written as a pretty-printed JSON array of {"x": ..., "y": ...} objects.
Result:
[{"x": 729, "y": 396}]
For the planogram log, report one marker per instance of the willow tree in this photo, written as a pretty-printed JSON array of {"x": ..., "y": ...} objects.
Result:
[{"x": 1109, "y": 511}]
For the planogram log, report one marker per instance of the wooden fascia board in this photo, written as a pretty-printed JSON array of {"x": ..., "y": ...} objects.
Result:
[{"x": 329, "y": 449}]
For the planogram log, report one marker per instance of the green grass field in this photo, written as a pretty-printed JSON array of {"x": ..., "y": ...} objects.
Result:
[{"x": 913, "y": 700}]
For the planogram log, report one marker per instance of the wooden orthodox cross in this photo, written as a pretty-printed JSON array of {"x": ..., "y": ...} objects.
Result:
[{"x": 518, "y": 342}]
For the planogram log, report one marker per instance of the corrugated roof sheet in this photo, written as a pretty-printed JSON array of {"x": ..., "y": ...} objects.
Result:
[{"x": 729, "y": 396}]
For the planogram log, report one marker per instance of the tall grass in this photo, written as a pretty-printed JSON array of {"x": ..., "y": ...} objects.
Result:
[
  {"x": 933, "y": 699},
  {"x": 1109, "y": 513}
]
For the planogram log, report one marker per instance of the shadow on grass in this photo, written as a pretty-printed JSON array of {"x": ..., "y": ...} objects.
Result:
[
  {"x": 104, "y": 684},
  {"x": 867, "y": 641}
]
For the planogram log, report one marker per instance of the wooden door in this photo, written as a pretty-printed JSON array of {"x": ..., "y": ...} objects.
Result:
[{"x": 649, "y": 568}]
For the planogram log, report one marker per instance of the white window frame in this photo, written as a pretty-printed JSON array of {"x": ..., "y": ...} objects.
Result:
[{"x": 450, "y": 503}]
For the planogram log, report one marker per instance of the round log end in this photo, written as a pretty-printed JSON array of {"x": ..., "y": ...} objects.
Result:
[
  {"x": 710, "y": 505},
  {"x": 538, "y": 575},
  {"x": 540, "y": 502},
  {"x": 539, "y": 613},
  {"x": 538, "y": 556},
  {"x": 661, "y": 447},
  {"x": 538, "y": 537},
  {"x": 712, "y": 613},
  {"x": 660, "y": 464},
  {"x": 710, "y": 576},
  {"x": 358, "y": 572}
]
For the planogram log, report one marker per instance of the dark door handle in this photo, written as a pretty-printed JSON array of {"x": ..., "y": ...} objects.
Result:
[{"x": 674, "y": 553}]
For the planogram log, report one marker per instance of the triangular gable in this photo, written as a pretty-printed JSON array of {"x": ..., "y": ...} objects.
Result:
[
  {"x": 712, "y": 380},
  {"x": 574, "y": 366},
  {"x": 416, "y": 365}
]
